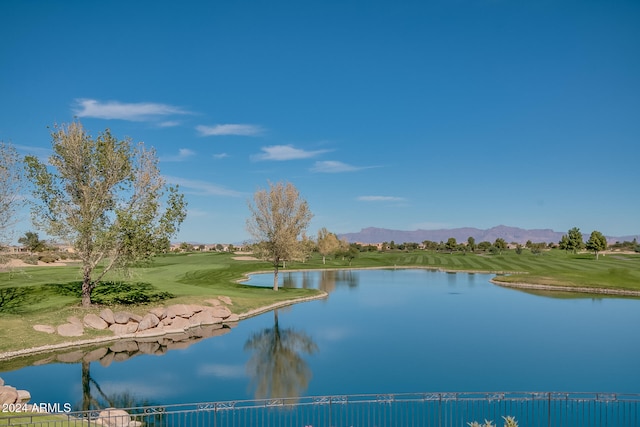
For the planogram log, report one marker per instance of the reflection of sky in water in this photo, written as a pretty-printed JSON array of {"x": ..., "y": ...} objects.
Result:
[{"x": 392, "y": 331}]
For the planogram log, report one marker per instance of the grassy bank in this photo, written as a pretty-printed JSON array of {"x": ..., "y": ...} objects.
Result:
[{"x": 39, "y": 295}]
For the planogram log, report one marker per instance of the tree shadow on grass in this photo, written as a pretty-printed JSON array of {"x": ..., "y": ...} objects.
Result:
[
  {"x": 109, "y": 293},
  {"x": 18, "y": 300}
]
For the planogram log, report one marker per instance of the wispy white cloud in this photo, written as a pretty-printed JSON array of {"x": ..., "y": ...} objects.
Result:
[
  {"x": 222, "y": 371},
  {"x": 169, "y": 124},
  {"x": 220, "y": 156},
  {"x": 135, "y": 112},
  {"x": 41, "y": 153},
  {"x": 230, "y": 129},
  {"x": 285, "y": 152},
  {"x": 380, "y": 199},
  {"x": 197, "y": 212},
  {"x": 203, "y": 188},
  {"x": 333, "y": 166},
  {"x": 183, "y": 154}
]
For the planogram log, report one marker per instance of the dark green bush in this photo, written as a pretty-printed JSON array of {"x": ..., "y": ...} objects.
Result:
[
  {"x": 109, "y": 293},
  {"x": 50, "y": 257},
  {"x": 31, "y": 259}
]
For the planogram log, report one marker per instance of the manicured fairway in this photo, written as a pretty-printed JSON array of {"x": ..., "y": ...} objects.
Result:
[{"x": 29, "y": 295}]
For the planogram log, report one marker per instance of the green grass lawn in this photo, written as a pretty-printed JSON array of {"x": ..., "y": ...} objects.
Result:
[{"x": 32, "y": 295}]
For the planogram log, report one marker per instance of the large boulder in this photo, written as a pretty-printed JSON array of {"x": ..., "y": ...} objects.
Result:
[
  {"x": 114, "y": 418},
  {"x": 123, "y": 317},
  {"x": 178, "y": 326},
  {"x": 108, "y": 316},
  {"x": 225, "y": 300},
  {"x": 232, "y": 318},
  {"x": 74, "y": 320},
  {"x": 149, "y": 321},
  {"x": 160, "y": 312},
  {"x": 120, "y": 329},
  {"x": 195, "y": 308},
  {"x": 179, "y": 310},
  {"x": 44, "y": 328},
  {"x": 204, "y": 318},
  {"x": 24, "y": 396},
  {"x": 70, "y": 330},
  {"x": 95, "y": 322},
  {"x": 1, "y": 382},
  {"x": 8, "y": 395},
  {"x": 219, "y": 311}
]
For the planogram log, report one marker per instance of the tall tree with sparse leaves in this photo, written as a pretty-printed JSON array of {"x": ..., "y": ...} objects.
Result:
[
  {"x": 279, "y": 216},
  {"x": 106, "y": 197},
  {"x": 11, "y": 183},
  {"x": 596, "y": 243}
]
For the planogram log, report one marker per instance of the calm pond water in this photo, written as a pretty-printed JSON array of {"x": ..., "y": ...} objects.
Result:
[{"x": 379, "y": 331}]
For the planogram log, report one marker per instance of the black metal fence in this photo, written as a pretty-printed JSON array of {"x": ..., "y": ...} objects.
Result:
[{"x": 391, "y": 410}]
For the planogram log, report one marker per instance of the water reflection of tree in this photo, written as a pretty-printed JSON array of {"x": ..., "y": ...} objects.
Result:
[
  {"x": 329, "y": 279},
  {"x": 276, "y": 366},
  {"x": 91, "y": 401}
]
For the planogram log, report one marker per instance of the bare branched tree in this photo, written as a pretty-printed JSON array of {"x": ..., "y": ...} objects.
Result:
[
  {"x": 279, "y": 216},
  {"x": 107, "y": 198}
]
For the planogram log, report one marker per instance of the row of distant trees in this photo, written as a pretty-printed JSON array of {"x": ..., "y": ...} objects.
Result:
[{"x": 106, "y": 197}]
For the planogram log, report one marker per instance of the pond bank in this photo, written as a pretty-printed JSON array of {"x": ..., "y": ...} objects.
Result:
[
  {"x": 88, "y": 342},
  {"x": 576, "y": 289}
]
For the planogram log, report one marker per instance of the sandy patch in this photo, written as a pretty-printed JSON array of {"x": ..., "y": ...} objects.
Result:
[
  {"x": 18, "y": 263},
  {"x": 245, "y": 258}
]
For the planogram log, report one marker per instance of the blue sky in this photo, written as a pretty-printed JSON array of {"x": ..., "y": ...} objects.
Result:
[{"x": 393, "y": 114}]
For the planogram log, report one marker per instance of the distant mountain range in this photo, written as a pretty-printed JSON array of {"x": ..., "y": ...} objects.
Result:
[{"x": 509, "y": 234}]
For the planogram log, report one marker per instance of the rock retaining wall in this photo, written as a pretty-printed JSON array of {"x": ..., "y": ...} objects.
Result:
[{"x": 173, "y": 319}]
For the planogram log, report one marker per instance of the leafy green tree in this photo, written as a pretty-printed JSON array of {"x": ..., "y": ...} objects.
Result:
[
  {"x": 279, "y": 216},
  {"x": 105, "y": 197},
  {"x": 500, "y": 244},
  {"x": 451, "y": 244},
  {"x": 563, "y": 244},
  {"x": 430, "y": 245},
  {"x": 352, "y": 253},
  {"x": 11, "y": 184},
  {"x": 186, "y": 247},
  {"x": 484, "y": 245},
  {"x": 328, "y": 243},
  {"x": 597, "y": 242},
  {"x": 471, "y": 244},
  {"x": 32, "y": 242},
  {"x": 574, "y": 238}
]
